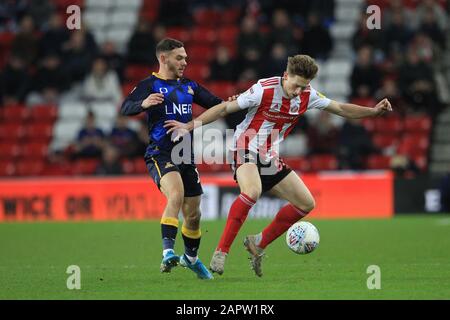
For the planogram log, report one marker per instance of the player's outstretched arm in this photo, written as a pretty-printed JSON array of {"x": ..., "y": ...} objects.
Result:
[
  {"x": 210, "y": 115},
  {"x": 348, "y": 110}
]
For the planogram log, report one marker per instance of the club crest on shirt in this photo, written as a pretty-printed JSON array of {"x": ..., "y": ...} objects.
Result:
[
  {"x": 294, "y": 108},
  {"x": 190, "y": 91},
  {"x": 168, "y": 165}
]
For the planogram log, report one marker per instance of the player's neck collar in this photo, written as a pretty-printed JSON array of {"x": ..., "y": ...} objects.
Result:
[{"x": 156, "y": 74}]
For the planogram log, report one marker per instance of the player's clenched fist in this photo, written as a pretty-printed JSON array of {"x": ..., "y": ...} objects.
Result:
[
  {"x": 152, "y": 100},
  {"x": 382, "y": 107}
]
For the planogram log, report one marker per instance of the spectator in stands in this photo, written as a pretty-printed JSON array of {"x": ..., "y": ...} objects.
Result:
[
  {"x": 115, "y": 60},
  {"x": 124, "y": 138},
  {"x": 390, "y": 90},
  {"x": 367, "y": 37},
  {"x": 54, "y": 37},
  {"x": 90, "y": 141},
  {"x": 25, "y": 44},
  {"x": 365, "y": 73},
  {"x": 11, "y": 11},
  {"x": 49, "y": 82},
  {"x": 175, "y": 13},
  {"x": 110, "y": 164},
  {"x": 322, "y": 135},
  {"x": 14, "y": 81},
  {"x": 438, "y": 12},
  {"x": 395, "y": 7},
  {"x": 222, "y": 67},
  {"x": 102, "y": 84},
  {"x": 281, "y": 32},
  {"x": 142, "y": 44},
  {"x": 250, "y": 37},
  {"x": 78, "y": 54},
  {"x": 250, "y": 65},
  {"x": 317, "y": 41},
  {"x": 430, "y": 27},
  {"x": 276, "y": 63},
  {"x": 363, "y": 97},
  {"x": 417, "y": 84},
  {"x": 397, "y": 34},
  {"x": 40, "y": 11},
  {"x": 355, "y": 144},
  {"x": 403, "y": 166}
]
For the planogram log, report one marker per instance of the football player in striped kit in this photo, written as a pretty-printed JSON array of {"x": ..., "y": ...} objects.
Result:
[{"x": 274, "y": 107}]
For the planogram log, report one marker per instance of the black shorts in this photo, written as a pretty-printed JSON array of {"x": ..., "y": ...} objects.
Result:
[
  {"x": 271, "y": 173},
  {"x": 160, "y": 164}
]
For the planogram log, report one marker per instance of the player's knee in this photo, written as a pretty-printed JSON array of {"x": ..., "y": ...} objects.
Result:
[
  {"x": 308, "y": 206},
  {"x": 254, "y": 192},
  {"x": 193, "y": 220}
]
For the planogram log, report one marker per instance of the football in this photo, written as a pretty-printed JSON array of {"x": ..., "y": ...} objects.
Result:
[{"x": 302, "y": 237}]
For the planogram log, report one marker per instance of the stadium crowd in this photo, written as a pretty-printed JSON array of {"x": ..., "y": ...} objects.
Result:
[{"x": 43, "y": 63}]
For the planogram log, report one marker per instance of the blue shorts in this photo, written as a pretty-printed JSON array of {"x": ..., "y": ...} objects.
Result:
[{"x": 160, "y": 164}]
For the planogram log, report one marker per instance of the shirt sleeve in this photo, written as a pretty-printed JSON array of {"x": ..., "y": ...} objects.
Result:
[
  {"x": 317, "y": 100},
  {"x": 133, "y": 102},
  {"x": 251, "y": 98},
  {"x": 205, "y": 98}
]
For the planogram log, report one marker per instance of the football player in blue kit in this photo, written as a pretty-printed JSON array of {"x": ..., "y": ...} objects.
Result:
[{"x": 166, "y": 95}]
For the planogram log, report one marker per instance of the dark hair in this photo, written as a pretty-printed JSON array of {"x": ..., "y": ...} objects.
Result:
[
  {"x": 302, "y": 65},
  {"x": 168, "y": 44}
]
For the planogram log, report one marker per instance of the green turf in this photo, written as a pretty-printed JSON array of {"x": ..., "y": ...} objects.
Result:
[{"x": 120, "y": 260}]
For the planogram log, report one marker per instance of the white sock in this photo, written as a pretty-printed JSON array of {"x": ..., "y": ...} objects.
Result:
[
  {"x": 258, "y": 238},
  {"x": 165, "y": 251},
  {"x": 192, "y": 259}
]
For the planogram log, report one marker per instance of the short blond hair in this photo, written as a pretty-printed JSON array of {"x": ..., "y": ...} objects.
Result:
[{"x": 302, "y": 65}]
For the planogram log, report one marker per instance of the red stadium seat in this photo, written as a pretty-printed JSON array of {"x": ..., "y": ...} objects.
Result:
[
  {"x": 378, "y": 162},
  {"x": 57, "y": 169},
  {"x": 11, "y": 132},
  {"x": 178, "y": 33},
  {"x": 298, "y": 163},
  {"x": 14, "y": 114},
  {"x": 417, "y": 123},
  {"x": 135, "y": 73},
  {"x": 140, "y": 167},
  {"x": 30, "y": 167},
  {"x": 85, "y": 166},
  {"x": 43, "y": 114},
  {"x": 222, "y": 89},
  {"x": 197, "y": 72},
  {"x": 38, "y": 132},
  {"x": 34, "y": 151},
  {"x": 7, "y": 168},
  {"x": 414, "y": 145},
  {"x": 420, "y": 161},
  {"x": 368, "y": 123},
  {"x": 200, "y": 54},
  {"x": 9, "y": 151},
  {"x": 323, "y": 162},
  {"x": 384, "y": 140},
  {"x": 203, "y": 36},
  {"x": 228, "y": 34},
  {"x": 206, "y": 17},
  {"x": 230, "y": 16},
  {"x": 390, "y": 125},
  {"x": 128, "y": 166}
]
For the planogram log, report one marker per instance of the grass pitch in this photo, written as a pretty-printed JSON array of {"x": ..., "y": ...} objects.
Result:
[{"x": 120, "y": 260}]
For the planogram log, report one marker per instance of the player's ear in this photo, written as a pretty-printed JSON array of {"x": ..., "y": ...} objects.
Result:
[
  {"x": 162, "y": 58},
  {"x": 285, "y": 75}
]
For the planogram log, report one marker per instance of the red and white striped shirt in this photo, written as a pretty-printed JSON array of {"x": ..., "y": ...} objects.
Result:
[{"x": 271, "y": 116}]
